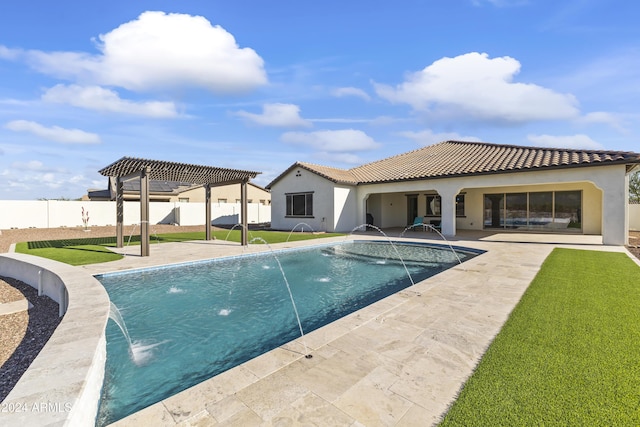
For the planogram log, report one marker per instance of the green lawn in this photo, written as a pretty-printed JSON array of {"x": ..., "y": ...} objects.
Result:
[
  {"x": 568, "y": 354},
  {"x": 80, "y": 254},
  {"x": 94, "y": 250}
]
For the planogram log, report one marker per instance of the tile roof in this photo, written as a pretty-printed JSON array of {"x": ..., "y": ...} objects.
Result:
[{"x": 459, "y": 158}]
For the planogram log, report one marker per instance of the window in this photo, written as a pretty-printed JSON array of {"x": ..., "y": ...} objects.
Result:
[
  {"x": 183, "y": 199},
  {"x": 299, "y": 204},
  {"x": 433, "y": 205},
  {"x": 222, "y": 200}
]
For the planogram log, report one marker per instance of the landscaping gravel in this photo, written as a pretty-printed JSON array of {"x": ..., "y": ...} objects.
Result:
[{"x": 23, "y": 334}]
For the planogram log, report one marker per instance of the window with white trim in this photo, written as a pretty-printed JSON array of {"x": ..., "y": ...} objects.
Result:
[{"x": 299, "y": 204}]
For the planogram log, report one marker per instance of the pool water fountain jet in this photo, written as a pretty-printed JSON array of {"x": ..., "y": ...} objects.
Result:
[
  {"x": 232, "y": 228},
  {"x": 439, "y": 233},
  {"x": 138, "y": 352},
  {"x": 392, "y": 245},
  {"x": 134, "y": 229},
  {"x": 301, "y": 224},
  {"x": 295, "y": 309},
  {"x": 116, "y": 316},
  {"x": 227, "y": 311}
]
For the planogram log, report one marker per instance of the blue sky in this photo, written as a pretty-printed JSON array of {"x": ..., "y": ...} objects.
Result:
[{"x": 259, "y": 85}]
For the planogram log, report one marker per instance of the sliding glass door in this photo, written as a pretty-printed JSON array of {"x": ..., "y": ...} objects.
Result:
[
  {"x": 540, "y": 209},
  {"x": 516, "y": 210},
  {"x": 543, "y": 210}
]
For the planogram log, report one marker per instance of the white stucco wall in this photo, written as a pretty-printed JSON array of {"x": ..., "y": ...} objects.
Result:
[
  {"x": 344, "y": 208},
  {"x": 323, "y": 218}
]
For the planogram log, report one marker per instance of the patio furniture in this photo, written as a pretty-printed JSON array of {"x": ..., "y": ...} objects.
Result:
[{"x": 417, "y": 222}]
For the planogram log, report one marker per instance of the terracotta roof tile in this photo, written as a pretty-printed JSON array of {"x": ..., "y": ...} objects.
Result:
[{"x": 457, "y": 158}]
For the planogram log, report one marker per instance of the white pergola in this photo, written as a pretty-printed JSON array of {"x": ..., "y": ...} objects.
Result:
[{"x": 144, "y": 169}]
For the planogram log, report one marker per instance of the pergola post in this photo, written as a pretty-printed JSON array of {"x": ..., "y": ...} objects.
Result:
[
  {"x": 144, "y": 212},
  {"x": 207, "y": 211},
  {"x": 244, "y": 207},
  {"x": 119, "y": 212}
]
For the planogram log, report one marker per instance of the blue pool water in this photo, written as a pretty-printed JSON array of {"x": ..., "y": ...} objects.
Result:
[{"x": 191, "y": 322}]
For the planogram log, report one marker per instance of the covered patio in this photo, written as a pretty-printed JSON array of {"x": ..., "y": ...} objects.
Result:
[{"x": 146, "y": 170}]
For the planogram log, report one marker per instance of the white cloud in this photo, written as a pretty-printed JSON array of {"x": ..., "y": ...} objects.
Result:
[
  {"x": 579, "y": 141},
  {"x": 10, "y": 54},
  {"x": 101, "y": 99},
  {"x": 32, "y": 165},
  {"x": 428, "y": 137},
  {"x": 54, "y": 133},
  {"x": 277, "y": 115},
  {"x": 347, "y": 140},
  {"x": 160, "y": 51},
  {"x": 333, "y": 157},
  {"x": 602, "y": 117},
  {"x": 351, "y": 91},
  {"x": 478, "y": 87}
]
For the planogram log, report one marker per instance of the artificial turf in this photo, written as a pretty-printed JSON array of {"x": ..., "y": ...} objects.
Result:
[
  {"x": 73, "y": 254},
  {"x": 94, "y": 250},
  {"x": 568, "y": 354}
]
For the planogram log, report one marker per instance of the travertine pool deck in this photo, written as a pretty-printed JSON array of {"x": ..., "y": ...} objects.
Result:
[{"x": 398, "y": 362}]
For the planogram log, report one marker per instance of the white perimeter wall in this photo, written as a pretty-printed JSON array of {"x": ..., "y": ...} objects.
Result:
[
  {"x": 634, "y": 217},
  {"x": 54, "y": 213}
]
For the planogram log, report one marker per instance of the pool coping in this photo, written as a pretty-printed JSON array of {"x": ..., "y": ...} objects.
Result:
[{"x": 62, "y": 385}]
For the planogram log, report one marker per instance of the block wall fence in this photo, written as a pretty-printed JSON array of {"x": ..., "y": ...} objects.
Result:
[{"x": 57, "y": 213}]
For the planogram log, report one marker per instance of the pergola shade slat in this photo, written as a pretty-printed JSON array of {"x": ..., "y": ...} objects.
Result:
[{"x": 172, "y": 171}]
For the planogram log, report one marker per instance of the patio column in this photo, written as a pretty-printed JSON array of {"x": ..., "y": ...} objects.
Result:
[
  {"x": 448, "y": 209},
  {"x": 207, "y": 211},
  {"x": 119, "y": 212},
  {"x": 615, "y": 212}
]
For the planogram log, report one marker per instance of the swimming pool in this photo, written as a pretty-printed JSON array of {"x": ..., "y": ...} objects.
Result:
[{"x": 191, "y": 322}]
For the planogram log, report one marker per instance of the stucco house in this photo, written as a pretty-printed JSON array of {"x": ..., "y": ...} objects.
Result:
[{"x": 465, "y": 186}]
